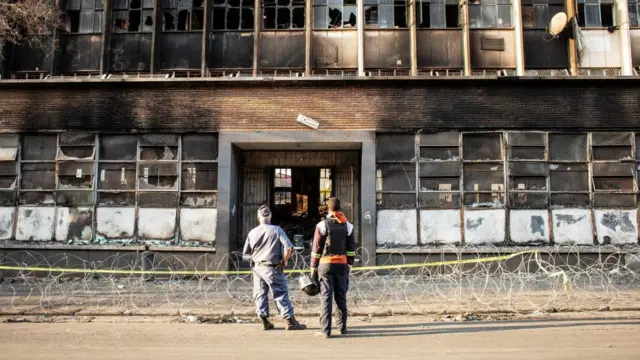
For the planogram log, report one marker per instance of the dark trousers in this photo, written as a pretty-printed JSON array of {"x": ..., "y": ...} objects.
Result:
[{"x": 334, "y": 281}]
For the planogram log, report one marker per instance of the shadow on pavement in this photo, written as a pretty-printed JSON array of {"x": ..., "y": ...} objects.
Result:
[{"x": 419, "y": 329}]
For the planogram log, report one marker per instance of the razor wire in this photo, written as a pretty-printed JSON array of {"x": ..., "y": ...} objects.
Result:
[{"x": 451, "y": 279}]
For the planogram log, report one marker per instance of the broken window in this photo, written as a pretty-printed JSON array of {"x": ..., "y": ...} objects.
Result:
[
  {"x": 538, "y": 14},
  {"x": 614, "y": 184},
  {"x": 569, "y": 184},
  {"x": 326, "y": 186},
  {"x": 527, "y": 146},
  {"x": 133, "y": 16},
  {"x": 283, "y": 14},
  {"x": 596, "y": 13},
  {"x": 117, "y": 170},
  {"x": 482, "y": 147},
  {"x": 232, "y": 15},
  {"x": 396, "y": 185},
  {"x": 611, "y": 146},
  {"x": 440, "y": 167},
  {"x": 483, "y": 184},
  {"x": 9, "y": 146},
  {"x": 182, "y": 15},
  {"x": 634, "y": 13},
  {"x": 75, "y": 168},
  {"x": 282, "y": 186},
  {"x": 568, "y": 147},
  {"x": 158, "y": 170},
  {"x": 395, "y": 147},
  {"x": 385, "y": 14},
  {"x": 199, "y": 184},
  {"x": 437, "y": 14},
  {"x": 484, "y": 14},
  {"x": 84, "y": 16},
  {"x": 335, "y": 14},
  {"x": 38, "y": 169}
]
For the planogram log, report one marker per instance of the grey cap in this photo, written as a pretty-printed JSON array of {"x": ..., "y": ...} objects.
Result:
[{"x": 264, "y": 212}]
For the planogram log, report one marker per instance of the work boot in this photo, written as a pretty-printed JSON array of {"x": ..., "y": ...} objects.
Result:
[
  {"x": 293, "y": 324},
  {"x": 266, "y": 324},
  {"x": 321, "y": 334},
  {"x": 342, "y": 331}
]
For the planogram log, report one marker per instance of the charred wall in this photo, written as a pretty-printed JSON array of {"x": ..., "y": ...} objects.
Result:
[{"x": 403, "y": 105}]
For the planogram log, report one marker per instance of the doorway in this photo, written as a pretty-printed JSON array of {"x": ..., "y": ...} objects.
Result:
[{"x": 296, "y": 186}]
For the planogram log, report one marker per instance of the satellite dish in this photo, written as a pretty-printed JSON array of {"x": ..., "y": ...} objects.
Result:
[{"x": 558, "y": 23}]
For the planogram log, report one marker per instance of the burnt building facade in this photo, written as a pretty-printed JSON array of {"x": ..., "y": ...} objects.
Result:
[{"x": 164, "y": 125}]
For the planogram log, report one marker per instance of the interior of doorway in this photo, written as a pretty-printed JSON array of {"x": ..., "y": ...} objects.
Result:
[{"x": 299, "y": 201}]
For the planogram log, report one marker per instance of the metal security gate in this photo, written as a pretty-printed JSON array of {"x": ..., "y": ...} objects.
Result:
[
  {"x": 346, "y": 189},
  {"x": 255, "y": 193}
]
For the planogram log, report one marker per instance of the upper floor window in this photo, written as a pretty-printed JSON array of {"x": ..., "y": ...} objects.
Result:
[
  {"x": 485, "y": 14},
  {"x": 133, "y": 15},
  {"x": 437, "y": 14},
  {"x": 84, "y": 16},
  {"x": 596, "y": 13},
  {"x": 283, "y": 14},
  {"x": 335, "y": 14},
  {"x": 634, "y": 13},
  {"x": 385, "y": 14},
  {"x": 538, "y": 14},
  {"x": 232, "y": 15},
  {"x": 182, "y": 15}
]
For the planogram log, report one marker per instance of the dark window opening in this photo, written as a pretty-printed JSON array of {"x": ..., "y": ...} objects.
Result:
[
  {"x": 336, "y": 14},
  {"x": 606, "y": 11},
  {"x": 184, "y": 20},
  {"x": 134, "y": 20},
  {"x": 137, "y": 17},
  {"x": 74, "y": 21},
  {"x": 169, "y": 21},
  {"x": 232, "y": 15},
  {"x": 451, "y": 14}
]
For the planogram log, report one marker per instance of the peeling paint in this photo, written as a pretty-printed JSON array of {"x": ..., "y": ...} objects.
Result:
[
  {"x": 35, "y": 223},
  {"x": 397, "y": 228},
  {"x": 198, "y": 224},
  {"x": 74, "y": 224},
  {"x": 484, "y": 226},
  {"x": 115, "y": 223},
  {"x": 572, "y": 226},
  {"x": 440, "y": 227},
  {"x": 529, "y": 226},
  {"x": 7, "y": 216},
  {"x": 616, "y": 227},
  {"x": 156, "y": 224}
]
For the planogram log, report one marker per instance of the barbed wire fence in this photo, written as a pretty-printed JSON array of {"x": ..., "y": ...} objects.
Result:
[{"x": 454, "y": 280}]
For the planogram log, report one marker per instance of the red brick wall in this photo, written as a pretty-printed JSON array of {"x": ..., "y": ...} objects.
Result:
[{"x": 384, "y": 105}]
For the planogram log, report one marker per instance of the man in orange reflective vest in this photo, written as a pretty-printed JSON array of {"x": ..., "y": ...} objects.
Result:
[{"x": 332, "y": 256}]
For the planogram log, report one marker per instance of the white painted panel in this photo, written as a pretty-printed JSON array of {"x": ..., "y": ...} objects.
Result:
[
  {"x": 35, "y": 223},
  {"x": 397, "y": 227},
  {"x": 440, "y": 227},
  {"x": 572, "y": 226},
  {"x": 529, "y": 226},
  {"x": 602, "y": 49},
  {"x": 74, "y": 224},
  {"x": 7, "y": 215},
  {"x": 617, "y": 227},
  {"x": 484, "y": 226},
  {"x": 115, "y": 223},
  {"x": 612, "y": 49},
  {"x": 156, "y": 224},
  {"x": 198, "y": 224}
]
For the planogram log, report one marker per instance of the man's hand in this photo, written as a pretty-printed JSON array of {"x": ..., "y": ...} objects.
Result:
[
  {"x": 349, "y": 267},
  {"x": 314, "y": 274},
  {"x": 281, "y": 265}
]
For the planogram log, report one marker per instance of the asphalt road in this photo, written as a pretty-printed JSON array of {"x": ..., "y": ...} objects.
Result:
[{"x": 391, "y": 338}]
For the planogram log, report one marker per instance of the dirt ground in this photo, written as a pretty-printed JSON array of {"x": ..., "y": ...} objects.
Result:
[{"x": 565, "y": 336}]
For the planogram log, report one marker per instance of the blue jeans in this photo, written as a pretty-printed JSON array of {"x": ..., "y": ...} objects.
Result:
[{"x": 265, "y": 279}]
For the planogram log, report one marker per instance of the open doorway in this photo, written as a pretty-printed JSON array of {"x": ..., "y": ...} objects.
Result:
[{"x": 298, "y": 199}]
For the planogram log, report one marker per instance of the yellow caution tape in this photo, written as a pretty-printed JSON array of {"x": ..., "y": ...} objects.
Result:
[{"x": 248, "y": 272}]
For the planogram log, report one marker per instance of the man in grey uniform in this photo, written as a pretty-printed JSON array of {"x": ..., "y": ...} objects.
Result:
[{"x": 268, "y": 248}]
